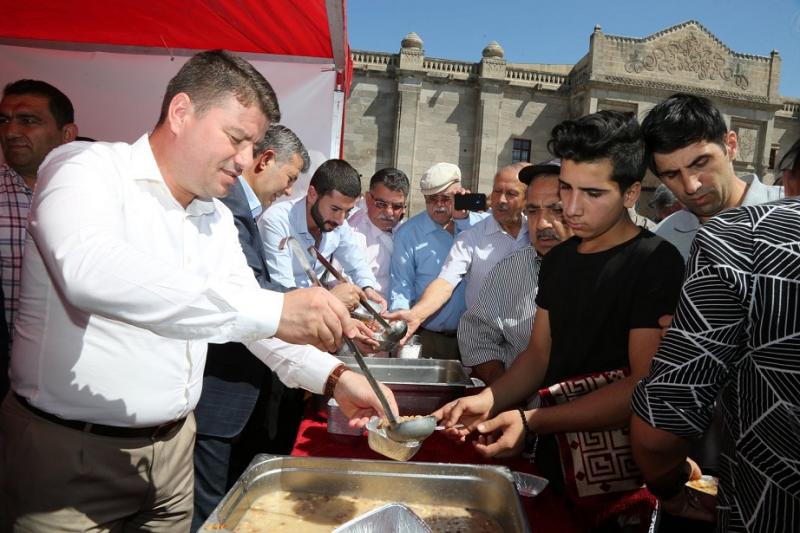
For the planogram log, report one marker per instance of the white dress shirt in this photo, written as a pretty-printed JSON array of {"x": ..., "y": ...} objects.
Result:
[
  {"x": 377, "y": 246},
  {"x": 477, "y": 250},
  {"x": 123, "y": 288}
]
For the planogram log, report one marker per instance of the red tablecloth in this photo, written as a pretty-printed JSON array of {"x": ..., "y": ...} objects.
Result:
[{"x": 546, "y": 512}]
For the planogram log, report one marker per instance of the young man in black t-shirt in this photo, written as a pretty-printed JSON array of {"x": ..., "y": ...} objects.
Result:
[{"x": 601, "y": 294}]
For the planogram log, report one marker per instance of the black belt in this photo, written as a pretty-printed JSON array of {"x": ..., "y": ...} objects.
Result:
[
  {"x": 450, "y": 333},
  {"x": 153, "y": 432}
]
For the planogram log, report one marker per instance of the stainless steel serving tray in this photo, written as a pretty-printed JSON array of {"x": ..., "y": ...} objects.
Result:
[
  {"x": 488, "y": 489},
  {"x": 419, "y": 385}
]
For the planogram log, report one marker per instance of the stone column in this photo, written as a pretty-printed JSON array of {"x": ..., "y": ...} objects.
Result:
[
  {"x": 491, "y": 85},
  {"x": 409, "y": 85}
]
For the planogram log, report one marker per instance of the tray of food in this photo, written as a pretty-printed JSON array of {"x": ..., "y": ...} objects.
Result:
[
  {"x": 420, "y": 386},
  {"x": 314, "y": 494}
]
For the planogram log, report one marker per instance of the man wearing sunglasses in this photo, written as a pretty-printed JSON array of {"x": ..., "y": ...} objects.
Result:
[{"x": 373, "y": 225}]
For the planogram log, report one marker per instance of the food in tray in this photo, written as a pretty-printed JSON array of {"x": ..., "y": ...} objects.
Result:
[
  {"x": 385, "y": 423},
  {"x": 312, "y": 512},
  {"x": 707, "y": 484}
]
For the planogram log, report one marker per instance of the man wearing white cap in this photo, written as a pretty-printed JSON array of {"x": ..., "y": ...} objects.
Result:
[
  {"x": 475, "y": 252},
  {"x": 420, "y": 247}
]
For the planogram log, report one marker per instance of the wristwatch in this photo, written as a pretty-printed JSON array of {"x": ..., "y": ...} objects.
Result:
[{"x": 333, "y": 378}]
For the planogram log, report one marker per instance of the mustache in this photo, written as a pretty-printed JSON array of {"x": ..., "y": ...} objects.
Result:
[
  {"x": 385, "y": 218},
  {"x": 441, "y": 211},
  {"x": 547, "y": 234}
]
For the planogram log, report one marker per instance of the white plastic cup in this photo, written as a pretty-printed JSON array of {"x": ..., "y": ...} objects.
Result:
[{"x": 411, "y": 349}]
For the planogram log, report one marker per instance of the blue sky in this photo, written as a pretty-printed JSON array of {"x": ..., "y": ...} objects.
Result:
[{"x": 558, "y": 31}]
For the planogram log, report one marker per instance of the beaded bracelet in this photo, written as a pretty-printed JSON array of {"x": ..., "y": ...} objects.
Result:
[{"x": 531, "y": 437}]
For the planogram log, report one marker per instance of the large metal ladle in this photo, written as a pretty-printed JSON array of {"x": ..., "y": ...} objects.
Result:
[
  {"x": 414, "y": 429},
  {"x": 395, "y": 331}
]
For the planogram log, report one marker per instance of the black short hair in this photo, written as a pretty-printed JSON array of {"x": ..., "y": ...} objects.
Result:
[
  {"x": 285, "y": 143},
  {"x": 681, "y": 120},
  {"x": 791, "y": 160},
  {"x": 336, "y": 175},
  {"x": 214, "y": 74},
  {"x": 605, "y": 134},
  {"x": 392, "y": 178},
  {"x": 60, "y": 106}
]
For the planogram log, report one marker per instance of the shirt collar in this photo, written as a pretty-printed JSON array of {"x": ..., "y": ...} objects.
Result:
[
  {"x": 145, "y": 168},
  {"x": 252, "y": 200},
  {"x": 429, "y": 226},
  {"x": 492, "y": 226},
  {"x": 297, "y": 215},
  {"x": 757, "y": 192},
  {"x": 16, "y": 179}
]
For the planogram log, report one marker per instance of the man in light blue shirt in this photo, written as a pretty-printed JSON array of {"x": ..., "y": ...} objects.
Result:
[
  {"x": 320, "y": 219},
  {"x": 421, "y": 246}
]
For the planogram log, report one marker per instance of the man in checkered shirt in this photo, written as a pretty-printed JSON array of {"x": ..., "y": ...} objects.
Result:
[{"x": 35, "y": 117}]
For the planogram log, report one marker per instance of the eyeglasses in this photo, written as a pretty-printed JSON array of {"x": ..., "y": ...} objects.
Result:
[
  {"x": 439, "y": 199},
  {"x": 383, "y": 204}
]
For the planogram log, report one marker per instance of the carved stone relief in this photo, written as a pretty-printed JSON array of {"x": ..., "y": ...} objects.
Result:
[
  {"x": 748, "y": 142},
  {"x": 688, "y": 55}
]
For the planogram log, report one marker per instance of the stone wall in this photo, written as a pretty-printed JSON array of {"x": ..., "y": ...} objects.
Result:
[{"x": 411, "y": 111}]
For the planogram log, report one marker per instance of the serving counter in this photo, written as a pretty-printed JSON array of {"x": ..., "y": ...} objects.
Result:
[{"x": 545, "y": 513}]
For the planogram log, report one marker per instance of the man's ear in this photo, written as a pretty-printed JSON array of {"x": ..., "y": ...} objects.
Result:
[
  {"x": 631, "y": 195},
  {"x": 264, "y": 160},
  {"x": 731, "y": 145},
  {"x": 312, "y": 194},
  {"x": 180, "y": 109},
  {"x": 68, "y": 133}
]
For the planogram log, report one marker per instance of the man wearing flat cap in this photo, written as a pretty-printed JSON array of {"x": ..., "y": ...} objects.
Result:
[
  {"x": 476, "y": 251},
  {"x": 420, "y": 247}
]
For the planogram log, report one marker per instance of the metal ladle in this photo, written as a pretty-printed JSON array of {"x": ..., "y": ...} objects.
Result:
[
  {"x": 393, "y": 332},
  {"x": 415, "y": 429}
]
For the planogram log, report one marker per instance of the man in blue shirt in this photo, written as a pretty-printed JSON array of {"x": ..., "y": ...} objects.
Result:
[
  {"x": 420, "y": 247},
  {"x": 320, "y": 219}
]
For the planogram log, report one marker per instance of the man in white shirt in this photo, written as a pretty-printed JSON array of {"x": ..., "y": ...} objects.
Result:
[
  {"x": 497, "y": 328},
  {"x": 373, "y": 226},
  {"x": 132, "y": 267},
  {"x": 691, "y": 150},
  {"x": 477, "y": 250}
]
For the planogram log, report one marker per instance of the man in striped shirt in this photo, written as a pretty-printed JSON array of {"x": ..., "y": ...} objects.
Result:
[
  {"x": 498, "y": 326},
  {"x": 35, "y": 117}
]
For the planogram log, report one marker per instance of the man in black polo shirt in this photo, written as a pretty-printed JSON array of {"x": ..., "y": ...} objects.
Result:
[{"x": 601, "y": 294}]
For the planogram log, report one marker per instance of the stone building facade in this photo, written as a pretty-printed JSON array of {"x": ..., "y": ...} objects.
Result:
[{"x": 410, "y": 111}]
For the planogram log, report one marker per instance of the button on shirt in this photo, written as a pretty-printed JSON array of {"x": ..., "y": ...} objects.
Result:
[
  {"x": 15, "y": 202},
  {"x": 420, "y": 249},
  {"x": 680, "y": 227},
  {"x": 377, "y": 246},
  {"x": 477, "y": 250},
  {"x": 289, "y": 219},
  {"x": 498, "y": 325},
  {"x": 124, "y": 288}
]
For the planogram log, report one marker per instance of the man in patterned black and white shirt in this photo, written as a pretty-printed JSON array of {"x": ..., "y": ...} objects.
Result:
[{"x": 735, "y": 336}]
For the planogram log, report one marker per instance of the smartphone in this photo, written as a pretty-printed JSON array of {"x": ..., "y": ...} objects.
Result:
[{"x": 473, "y": 201}]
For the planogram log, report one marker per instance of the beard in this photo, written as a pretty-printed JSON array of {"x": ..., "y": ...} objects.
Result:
[{"x": 323, "y": 225}]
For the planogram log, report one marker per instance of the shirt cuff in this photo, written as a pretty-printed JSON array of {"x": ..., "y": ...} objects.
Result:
[
  {"x": 296, "y": 365},
  {"x": 450, "y": 277}
]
